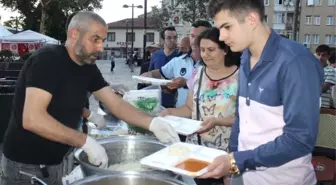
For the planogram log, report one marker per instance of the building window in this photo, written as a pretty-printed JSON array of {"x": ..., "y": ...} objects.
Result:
[
  {"x": 318, "y": 2},
  {"x": 335, "y": 39},
  {"x": 317, "y": 20},
  {"x": 307, "y": 38},
  {"x": 266, "y": 18},
  {"x": 331, "y": 2},
  {"x": 316, "y": 39},
  {"x": 308, "y": 20},
  {"x": 278, "y": 2},
  {"x": 266, "y": 2},
  {"x": 329, "y": 39},
  {"x": 129, "y": 37},
  {"x": 279, "y": 18},
  {"x": 330, "y": 20},
  {"x": 310, "y": 2},
  {"x": 110, "y": 36},
  {"x": 150, "y": 37}
]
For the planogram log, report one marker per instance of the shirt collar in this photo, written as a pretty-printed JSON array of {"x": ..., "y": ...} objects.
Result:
[
  {"x": 186, "y": 55},
  {"x": 270, "y": 49}
]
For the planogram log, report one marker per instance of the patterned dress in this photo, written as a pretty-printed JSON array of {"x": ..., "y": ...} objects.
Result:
[{"x": 217, "y": 98}]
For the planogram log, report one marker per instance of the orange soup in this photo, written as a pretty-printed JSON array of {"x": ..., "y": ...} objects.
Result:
[{"x": 192, "y": 165}]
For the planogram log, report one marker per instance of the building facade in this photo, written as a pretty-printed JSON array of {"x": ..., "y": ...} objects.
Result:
[
  {"x": 119, "y": 37},
  {"x": 316, "y": 24}
]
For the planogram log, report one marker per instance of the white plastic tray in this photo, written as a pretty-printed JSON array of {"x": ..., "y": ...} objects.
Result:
[
  {"x": 153, "y": 81},
  {"x": 190, "y": 151},
  {"x": 183, "y": 126}
]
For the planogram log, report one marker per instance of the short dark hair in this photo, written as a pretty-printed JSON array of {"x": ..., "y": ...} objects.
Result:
[
  {"x": 323, "y": 48},
  {"x": 238, "y": 7},
  {"x": 231, "y": 58},
  {"x": 332, "y": 58},
  {"x": 169, "y": 28},
  {"x": 203, "y": 23}
]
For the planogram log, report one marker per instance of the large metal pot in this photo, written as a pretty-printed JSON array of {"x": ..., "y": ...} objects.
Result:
[
  {"x": 122, "y": 149},
  {"x": 127, "y": 178}
]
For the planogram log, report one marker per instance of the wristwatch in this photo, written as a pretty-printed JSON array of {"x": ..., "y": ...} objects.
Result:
[{"x": 234, "y": 170}]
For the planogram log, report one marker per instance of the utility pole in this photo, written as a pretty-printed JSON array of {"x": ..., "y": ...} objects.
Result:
[
  {"x": 132, "y": 49},
  {"x": 144, "y": 56},
  {"x": 297, "y": 17},
  {"x": 126, "y": 43}
]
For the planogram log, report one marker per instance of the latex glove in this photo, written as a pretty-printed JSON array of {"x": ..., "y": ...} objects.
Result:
[
  {"x": 163, "y": 131},
  {"x": 95, "y": 152},
  {"x": 97, "y": 119},
  {"x": 119, "y": 88}
]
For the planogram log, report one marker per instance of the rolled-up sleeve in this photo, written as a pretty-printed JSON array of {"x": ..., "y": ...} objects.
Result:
[
  {"x": 167, "y": 71},
  {"x": 300, "y": 82}
]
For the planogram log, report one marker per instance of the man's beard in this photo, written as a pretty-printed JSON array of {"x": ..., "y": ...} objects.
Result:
[{"x": 83, "y": 56}]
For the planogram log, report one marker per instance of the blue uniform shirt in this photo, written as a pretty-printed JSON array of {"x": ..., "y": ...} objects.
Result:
[
  {"x": 158, "y": 60},
  {"x": 277, "y": 114},
  {"x": 181, "y": 66}
]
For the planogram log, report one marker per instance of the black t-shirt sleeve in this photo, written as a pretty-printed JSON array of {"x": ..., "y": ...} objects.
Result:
[
  {"x": 97, "y": 81},
  {"x": 44, "y": 72}
]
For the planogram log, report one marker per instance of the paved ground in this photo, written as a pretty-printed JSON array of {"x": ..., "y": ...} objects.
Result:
[{"x": 121, "y": 75}]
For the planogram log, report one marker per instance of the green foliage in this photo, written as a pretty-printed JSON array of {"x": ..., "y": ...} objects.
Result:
[
  {"x": 189, "y": 8},
  {"x": 159, "y": 16},
  {"x": 26, "y": 56},
  {"x": 15, "y": 22},
  {"x": 5, "y": 54},
  {"x": 57, "y": 12}
]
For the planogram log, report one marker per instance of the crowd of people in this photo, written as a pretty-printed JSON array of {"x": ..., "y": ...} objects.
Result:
[{"x": 256, "y": 93}]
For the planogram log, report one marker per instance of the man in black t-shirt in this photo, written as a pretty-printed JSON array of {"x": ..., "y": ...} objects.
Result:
[{"x": 49, "y": 99}]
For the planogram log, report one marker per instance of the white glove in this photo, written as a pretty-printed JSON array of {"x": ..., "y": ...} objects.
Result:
[
  {"x": 97, "y": 119},
  {"x": 95, "y": 152},
  {"x": 163, "y": 131}
]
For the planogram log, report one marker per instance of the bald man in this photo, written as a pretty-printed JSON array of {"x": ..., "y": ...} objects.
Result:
[
  {"x": 50, "y": 94},
  {"x": 184, "y": 46}
]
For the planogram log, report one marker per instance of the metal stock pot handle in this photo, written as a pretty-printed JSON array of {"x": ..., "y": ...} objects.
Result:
[{"x": 33, "y": 179}]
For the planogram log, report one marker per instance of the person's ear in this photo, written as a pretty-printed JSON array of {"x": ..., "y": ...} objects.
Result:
[{"x": 252, "y": 20}]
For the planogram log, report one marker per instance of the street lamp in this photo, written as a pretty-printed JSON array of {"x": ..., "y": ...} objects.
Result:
[
  {"x": 132, "y": 6},
  {"x": 145, "y": 32},
  {"x": 126, "y": 41}
]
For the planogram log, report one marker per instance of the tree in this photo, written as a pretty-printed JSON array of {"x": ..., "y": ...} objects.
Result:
[
  {"x": 192, "y": 10},
  {"x": 159, "y": 16},
  {"x": 36, "y": 12},
  {"x": 15, "y": 22}
]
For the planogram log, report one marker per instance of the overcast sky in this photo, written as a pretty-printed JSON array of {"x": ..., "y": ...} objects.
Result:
[{"x": 112, "y": 9}]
